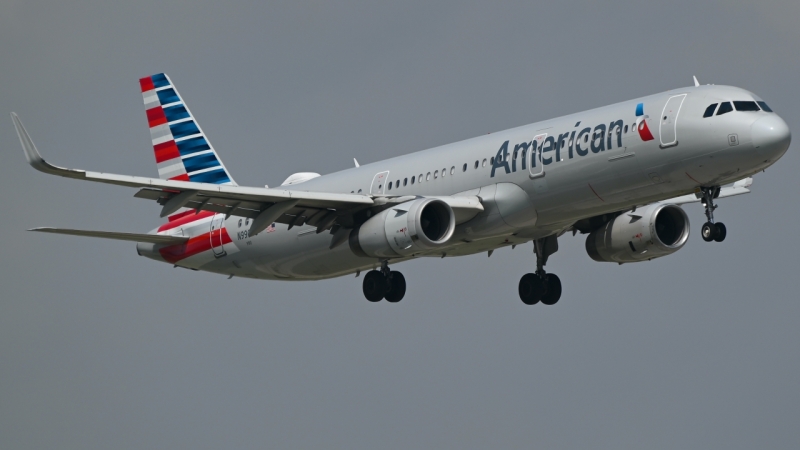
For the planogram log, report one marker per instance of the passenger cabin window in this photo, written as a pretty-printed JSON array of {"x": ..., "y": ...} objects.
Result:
[
  {"x": 724, "y": 108},
  {"x": 764, "y": 106},
  {"x": 476, "y": 164},
  {"x": 746, "y": 106},
  {"x": 413, "y": 179},
  {"x": 428, "y": 177},
  {"x": 484, "y": 162},
  {"x": 465, "y": 167},
  {"x": 435, "y": 174},
  {"x": 452, "y": 170},
  {"x": 405, "y": 181},
  {"x": 710, "y": 110},
  {"x": 390, "y": 185}
]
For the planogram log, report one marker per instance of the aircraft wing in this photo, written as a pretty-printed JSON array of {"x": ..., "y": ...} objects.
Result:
[
  {"x": 133, "y": 237},
  {"x": 262, "y": 204}
]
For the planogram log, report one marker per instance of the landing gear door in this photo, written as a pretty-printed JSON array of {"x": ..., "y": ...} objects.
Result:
[
  {"x": 668, "y": 123},
  {"x": 379, "y": 183},
  {"x": 536, "y": 166}
]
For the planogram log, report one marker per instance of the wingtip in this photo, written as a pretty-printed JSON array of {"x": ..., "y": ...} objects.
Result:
[{"x": 33, "y": 156}]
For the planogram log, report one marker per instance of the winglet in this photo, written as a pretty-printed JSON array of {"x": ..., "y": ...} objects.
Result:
[{"x": 35, "y": 159}]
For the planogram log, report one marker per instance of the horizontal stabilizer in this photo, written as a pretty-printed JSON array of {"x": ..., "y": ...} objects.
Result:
[{"x": 133, "y": 237}]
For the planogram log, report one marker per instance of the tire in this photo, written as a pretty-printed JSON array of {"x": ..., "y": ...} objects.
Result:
[
  {"x": 553, "y": 290},
  {"x": 708, "y": 232},
  {"x": 531, "y": 289},
  {"x": 374, "y": 286},
  {"x": 397, "y": 287},
  {"x": 721, "y": 231}
]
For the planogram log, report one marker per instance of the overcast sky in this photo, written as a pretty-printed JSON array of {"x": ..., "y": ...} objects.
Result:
[{"x": 100, "y": 348}]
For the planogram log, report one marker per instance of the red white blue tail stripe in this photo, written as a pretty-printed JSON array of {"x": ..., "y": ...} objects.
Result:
[{"x": 181, "y": 148}]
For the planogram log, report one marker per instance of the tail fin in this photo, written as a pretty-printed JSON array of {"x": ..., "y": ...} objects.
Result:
[{"x": 181, "y": 148}]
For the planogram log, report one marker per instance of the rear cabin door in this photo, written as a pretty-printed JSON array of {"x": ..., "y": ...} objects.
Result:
[
  {"x": 668, "y": 125},
  {"x": 217, "y": 230},
  {"x": 379, "y": 183}
]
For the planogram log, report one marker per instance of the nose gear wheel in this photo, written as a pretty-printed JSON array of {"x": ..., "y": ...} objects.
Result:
[{"x": 711, "y": 231}]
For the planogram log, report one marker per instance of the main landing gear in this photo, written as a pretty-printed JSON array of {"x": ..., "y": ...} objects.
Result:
[
  {"x": 384, "y": 283},
  {"x": 541, "y": 286},
  {"x": 712, "y": 231}
]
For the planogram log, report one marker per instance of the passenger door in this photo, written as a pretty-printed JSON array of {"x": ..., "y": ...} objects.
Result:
[
  {"x": 668, "y": 125},
  {"x": 536, "y": 166}
]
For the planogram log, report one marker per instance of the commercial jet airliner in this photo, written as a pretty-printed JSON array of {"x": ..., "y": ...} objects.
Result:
[{"x": 617, "y": 174}]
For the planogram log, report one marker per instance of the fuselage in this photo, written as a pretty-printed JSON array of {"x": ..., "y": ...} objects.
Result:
[{"x": 534, "y": 181}]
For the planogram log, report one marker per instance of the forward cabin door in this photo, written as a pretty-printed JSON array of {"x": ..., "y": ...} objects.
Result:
[
  {"x": 536, "y": 166},
  {"x": 379, "y": 183},
  {"x": 217, "y": 230},
  {"x": 668, "y": 125}
]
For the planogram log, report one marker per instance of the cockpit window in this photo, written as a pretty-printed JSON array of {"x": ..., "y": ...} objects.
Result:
[
  {"x": 746, "y": 106},
  {"x": 724, "y": 108},
  {"x": 710, "y": 110},
  {"x": 764, "y": 106}
]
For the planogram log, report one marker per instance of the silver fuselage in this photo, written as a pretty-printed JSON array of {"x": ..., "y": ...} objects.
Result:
[{"x": 537, "y": 193}]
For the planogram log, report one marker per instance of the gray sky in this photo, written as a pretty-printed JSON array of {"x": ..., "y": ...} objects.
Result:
[{"x": 100, "y": 348}]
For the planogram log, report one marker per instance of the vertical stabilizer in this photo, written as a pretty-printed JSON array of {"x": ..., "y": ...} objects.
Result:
[{"x": 182, "y": 150}]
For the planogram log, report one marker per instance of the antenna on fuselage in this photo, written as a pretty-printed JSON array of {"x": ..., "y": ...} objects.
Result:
[
  {"x": 696, "y": 83},
  {"x": 356, "y": 161}
]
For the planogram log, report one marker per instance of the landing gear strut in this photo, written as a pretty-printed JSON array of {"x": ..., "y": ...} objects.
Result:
[
  {"x": 541, "y": 286},
  {"x": 711, "y": 231},
  {"x": 384, "y": 283}
]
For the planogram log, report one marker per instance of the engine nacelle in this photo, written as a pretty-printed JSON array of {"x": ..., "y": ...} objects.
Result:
[
  {"x": 411, "y": 227},
  {"x": 651, "y": 232}
]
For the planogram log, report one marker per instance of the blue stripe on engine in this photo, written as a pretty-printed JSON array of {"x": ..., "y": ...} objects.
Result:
[
  {"x": 159, "y": 80},
  {"x": 168, "y": 96},
  {"x": 184, "y": 129},
  {"x": 193, "y": 145},
  {"x": 201, "y": 162},
  {"x": 176, "y": 112},
  {"x": 214, "y": 176}
]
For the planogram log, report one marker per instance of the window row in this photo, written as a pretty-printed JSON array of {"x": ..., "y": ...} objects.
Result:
[{"x": 436, "y": 174}]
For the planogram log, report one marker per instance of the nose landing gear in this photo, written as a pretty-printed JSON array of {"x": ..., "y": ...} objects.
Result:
[
  {"x": 712, "y": 231},
  {"x": 384, "y": 283},
  {"x": 541, "y": 286}
]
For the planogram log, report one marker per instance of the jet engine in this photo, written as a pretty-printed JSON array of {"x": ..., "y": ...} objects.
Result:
[
  {"x": 651, "y": 232},
  {"x": 411, "y": 227}
]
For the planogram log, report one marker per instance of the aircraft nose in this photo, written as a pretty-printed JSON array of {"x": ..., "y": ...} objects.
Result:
[{"x": 771, "y": 135}]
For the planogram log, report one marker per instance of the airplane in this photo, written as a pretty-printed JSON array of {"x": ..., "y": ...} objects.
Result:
[{"x": 617, "y": 174}]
